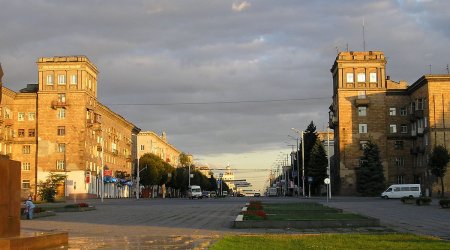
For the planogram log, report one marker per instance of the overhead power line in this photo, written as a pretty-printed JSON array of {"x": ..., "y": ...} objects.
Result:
[{"x": 218, "y": 102}]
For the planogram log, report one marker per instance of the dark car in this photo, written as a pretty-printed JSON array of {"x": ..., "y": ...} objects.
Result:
[
  {"x": 240, "y": 195},
  {"x": 205, "y": 194},
  {"x": 257, "y": 194}
]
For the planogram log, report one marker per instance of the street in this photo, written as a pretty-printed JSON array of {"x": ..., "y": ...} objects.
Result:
[{"x": 184, "y": 223}]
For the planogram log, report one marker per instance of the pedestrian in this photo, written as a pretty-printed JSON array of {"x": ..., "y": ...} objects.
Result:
[{"x": 29, "y": 206}]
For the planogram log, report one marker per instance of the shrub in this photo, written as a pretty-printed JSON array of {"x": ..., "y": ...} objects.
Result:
[
  {"x": 407, "y": 199},
  {"x": 255, "y": 214},
  {"x": 444, "y": 203},
  {"x": 255, "y": 205},
  {"x": 423, "y": 201},
  {"x": 77, "y": 205},
  {"x": 83, "y": 204}
]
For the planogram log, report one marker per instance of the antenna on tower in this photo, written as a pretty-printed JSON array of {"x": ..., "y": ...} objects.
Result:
[
  {"x": 363, "y": 34},
  {"x": 448, "y": 72}
]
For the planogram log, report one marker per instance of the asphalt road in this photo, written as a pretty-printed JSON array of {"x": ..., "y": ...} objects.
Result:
[{"x": 188, "y": 224}]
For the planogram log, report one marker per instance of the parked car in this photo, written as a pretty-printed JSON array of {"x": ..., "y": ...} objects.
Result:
[
  {"x": 213, "y": 194},
  {"x": 205, "y": 194},
  {"x": 256, "y": 194},
  {"x": 402, "y": 190},
  {"x": 194, "y": 192},
  {"x": 240, "y": 195}
]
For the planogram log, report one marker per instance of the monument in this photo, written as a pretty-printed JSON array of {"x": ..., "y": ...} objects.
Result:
[{"x": 10, "y": 235}]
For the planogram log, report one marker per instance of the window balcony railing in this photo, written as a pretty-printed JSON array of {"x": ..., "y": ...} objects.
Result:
[{"x": 59, "y": 104}]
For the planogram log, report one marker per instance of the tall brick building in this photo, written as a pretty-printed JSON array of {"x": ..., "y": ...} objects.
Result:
[
  {"x": 59, "y": 126},
  {"x": 406, "y": 122}
]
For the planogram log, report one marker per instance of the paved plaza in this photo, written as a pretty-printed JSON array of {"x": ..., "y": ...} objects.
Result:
[{"x": 189, "y": 224}]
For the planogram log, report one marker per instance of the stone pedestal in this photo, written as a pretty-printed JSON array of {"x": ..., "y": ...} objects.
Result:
[
  {"x": 10, "y": 236},
  {"x": 9, "y": 197}
]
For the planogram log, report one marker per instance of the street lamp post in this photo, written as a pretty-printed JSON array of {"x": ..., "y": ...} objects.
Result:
[
  {"x": 303, "y": 158},
  {"x": 138, "y": 179}
]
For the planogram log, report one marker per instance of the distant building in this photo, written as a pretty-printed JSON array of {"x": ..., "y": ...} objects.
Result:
[
  {"x": 406, "y": 122},
  {"x": 150, "y": 142},
  {"x": 59, "y": 126}
]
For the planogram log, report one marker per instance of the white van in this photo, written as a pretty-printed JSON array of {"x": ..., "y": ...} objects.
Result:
[
  {"x": 402, "y": 190},
  {"x": 194, "y": 192}
]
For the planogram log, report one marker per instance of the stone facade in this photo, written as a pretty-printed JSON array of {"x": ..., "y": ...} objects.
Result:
[
  {"x": 404, "y": 121},
  {"x": 150, "y": 142},
  {"x": 59, "y": 126}
]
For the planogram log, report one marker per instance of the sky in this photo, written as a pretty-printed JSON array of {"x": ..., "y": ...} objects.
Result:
[{"x": 226, "y": 80}]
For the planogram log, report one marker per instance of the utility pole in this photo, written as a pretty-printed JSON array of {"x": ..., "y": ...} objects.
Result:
[
  {"x": 138, "y": 179},
  {"x": 303, "y": 164}
]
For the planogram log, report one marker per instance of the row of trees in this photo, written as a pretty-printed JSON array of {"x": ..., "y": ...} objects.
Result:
[
  {"x": 370, "y": 180},
  {"x": 156, "y": 172}
]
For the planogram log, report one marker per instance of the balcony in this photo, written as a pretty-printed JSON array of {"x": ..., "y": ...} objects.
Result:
[
  {"x": 129, "y": 158},
  {"x": 333, "y": 122},
  {"x": 99, "y": 147},
  {"x": 115, "y": 152},
  {"x": 418, "y": 113},
  {"x": 362, "y": 102},
  {"x": 58, "y": 104}
]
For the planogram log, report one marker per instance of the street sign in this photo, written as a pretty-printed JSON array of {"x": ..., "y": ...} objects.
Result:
[{"x": 327, "y": 181}]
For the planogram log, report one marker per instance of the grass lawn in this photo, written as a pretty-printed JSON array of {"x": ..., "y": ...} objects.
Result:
[
  {"x": 331, "y": 241},
  {"x": 315, "y": 216},
  {"x": 297, "y": 206}
]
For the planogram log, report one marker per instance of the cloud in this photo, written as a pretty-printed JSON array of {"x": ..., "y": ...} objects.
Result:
[
  {"x": 241, "y": 6},
  {"x": 167, "y": 52}
]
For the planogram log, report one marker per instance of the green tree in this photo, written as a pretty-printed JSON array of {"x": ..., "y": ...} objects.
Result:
[
  {"x": 47, "y": 189},
  {"x": 369, "y": 174},
  {"x": 310, "y": 138},
  {"x": 184, "y": 159},
  {"x": 151, "y": 166},
  {"x": 318, "y": 163},
  {"x": 438, "y": 164}
]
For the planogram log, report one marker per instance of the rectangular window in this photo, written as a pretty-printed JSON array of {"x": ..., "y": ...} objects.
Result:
[
  {"x": 420, "y": 104},
  {"x": 31, "y": 116},
  {"x": 60, "y": 165},
  {"x": 403, "y": 111},
  {"x": 362, "y": 111},
  {"x": 21, "y": 132},
  {"x": 26, "y": 166},
  {"x": 21, "y": 116},
  {"x": 350, "y": 77},
  {"x": 61, "y": 130},
  {"x": 61, "y": 147},
  {"x": 392, "y": 128},
  {"x": 362, "y": 128},
  {"x": 403, "y": 128},
  {"x": 412, "y": 108},
  {"x": 26, "y": 184},
  {"x": 392, "y": 111},
  {"x": 26, "y": 149},
  {"x": 49, "y": 79},
  {"x": 361, "y": 77},
  {"x": 74, "y": 79},
  {"x": 400, "y": 179},
  {"x": 61, "y": 79},
  {"x": 61, "y": 113},
  {"x": 142, "y": 147},
  {"x": 399, "y": 161},
  {"x": 373, "y": 77},
  {"x": 31, "y": 132},
  {"x": 61, "y": 97},
  {"x": 398, "y": 145},
  {"x": 425, "y": 123}
]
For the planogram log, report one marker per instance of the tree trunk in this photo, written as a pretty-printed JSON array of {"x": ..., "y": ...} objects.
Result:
[{"x": 442, "y": 186}]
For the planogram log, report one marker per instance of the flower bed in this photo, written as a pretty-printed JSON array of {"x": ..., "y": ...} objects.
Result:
[{"x": 254, "y": 211}]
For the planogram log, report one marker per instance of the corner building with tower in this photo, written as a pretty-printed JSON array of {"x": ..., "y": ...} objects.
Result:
[
  {"x": 58, "y": 125},
  {"x": 405, "y": 121}
]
